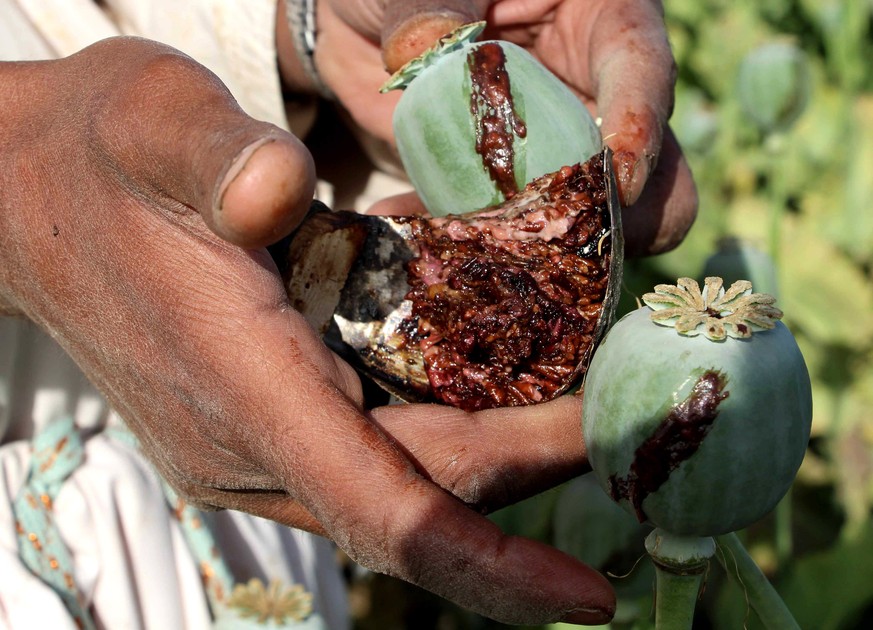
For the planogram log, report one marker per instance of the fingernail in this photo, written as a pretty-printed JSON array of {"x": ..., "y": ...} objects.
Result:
[
  {"x": 589, "y": 616},
  {"x": 639, "y": 177},
  {"x": 631, "y": 173},
  {"x": 236, "y": 167}
]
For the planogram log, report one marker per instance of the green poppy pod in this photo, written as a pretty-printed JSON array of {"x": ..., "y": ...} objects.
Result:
[
  {"x": 774, "y": 85},
  {"x": 479, "y": 120},
  {"x": 697, "y": 408}
]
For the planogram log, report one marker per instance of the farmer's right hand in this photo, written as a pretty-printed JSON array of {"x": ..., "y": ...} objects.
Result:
[{"x": 135, "y": 197}]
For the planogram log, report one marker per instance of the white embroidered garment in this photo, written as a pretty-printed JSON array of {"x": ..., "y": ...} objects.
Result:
[{"x": 132, "y": 563}]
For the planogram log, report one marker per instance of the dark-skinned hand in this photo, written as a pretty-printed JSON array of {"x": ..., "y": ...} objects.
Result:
[{"x": 136, "y": 197}]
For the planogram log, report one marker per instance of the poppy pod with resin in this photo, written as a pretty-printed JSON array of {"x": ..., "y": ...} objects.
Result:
[
  {"x": 511, "y": 282},
  {"x": 479, "y": 120},
  {"x": 697, "y": 408}
]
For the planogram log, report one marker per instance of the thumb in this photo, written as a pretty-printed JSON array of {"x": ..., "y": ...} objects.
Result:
[
  {"x": 412, "y": 26},
  {"x": 173, "y": 130},
  {"x": 264, "y": 191}
]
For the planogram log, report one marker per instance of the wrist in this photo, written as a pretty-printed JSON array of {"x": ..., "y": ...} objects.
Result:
[
  {"x": 14, "y": 91},
  {"x": 296, "y": 33},
  {"x": 26, "y": 98}
]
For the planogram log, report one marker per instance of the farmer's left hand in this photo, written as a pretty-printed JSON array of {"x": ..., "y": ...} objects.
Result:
[{"x": 613, "y": 53}]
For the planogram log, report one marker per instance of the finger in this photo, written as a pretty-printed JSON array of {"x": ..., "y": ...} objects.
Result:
[
  {"x": 356, "y": 482},
  {"x": 265, "y": 192},
  {"x": 492, "y": 458},
  {"x": 402, "y": 205},
  {"x": 634, "y": 76},
  {"x": 665, "y": 211},
  {"x": 412, "y": 26},
  {"x": 276, "y": 398},
  {"x": 185, "y": 141},
  {"x": 462, "y": 556},
  {"x": 394, "y": 522}
]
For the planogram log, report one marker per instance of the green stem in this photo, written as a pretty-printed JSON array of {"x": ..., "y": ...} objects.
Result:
[
  {"x": 778, "y": 197},
  {"x": 680, "y": 563},
  {"x": 775, "y": 145},
  {"x": 676, "y": 598},
  {"x": 764, "y": 599},
  {"x": 784, "y": 532}
]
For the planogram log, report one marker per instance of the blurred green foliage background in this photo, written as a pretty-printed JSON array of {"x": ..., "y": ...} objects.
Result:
[{"x": 792, "y": 183}]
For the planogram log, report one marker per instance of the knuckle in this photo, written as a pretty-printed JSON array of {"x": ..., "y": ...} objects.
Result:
[
  {"x": 475, "y": 480},
  {"x": 198, "y": 471},
  {"x": 385, "y": 538},
  {"x": 143, "y": 85},
  {"x": 170, "y": 72}
]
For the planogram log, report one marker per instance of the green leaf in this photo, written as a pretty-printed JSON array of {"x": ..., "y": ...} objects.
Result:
[
  {"x": 829, "y": 589},
  {"x": 853, "y": 229},
  {"x": 823, "y": 291}
]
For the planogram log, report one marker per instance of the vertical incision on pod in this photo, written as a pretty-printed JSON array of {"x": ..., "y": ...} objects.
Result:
[
  {"x": 674, "y": 441},
  {"x": 497, "y": 122}
]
